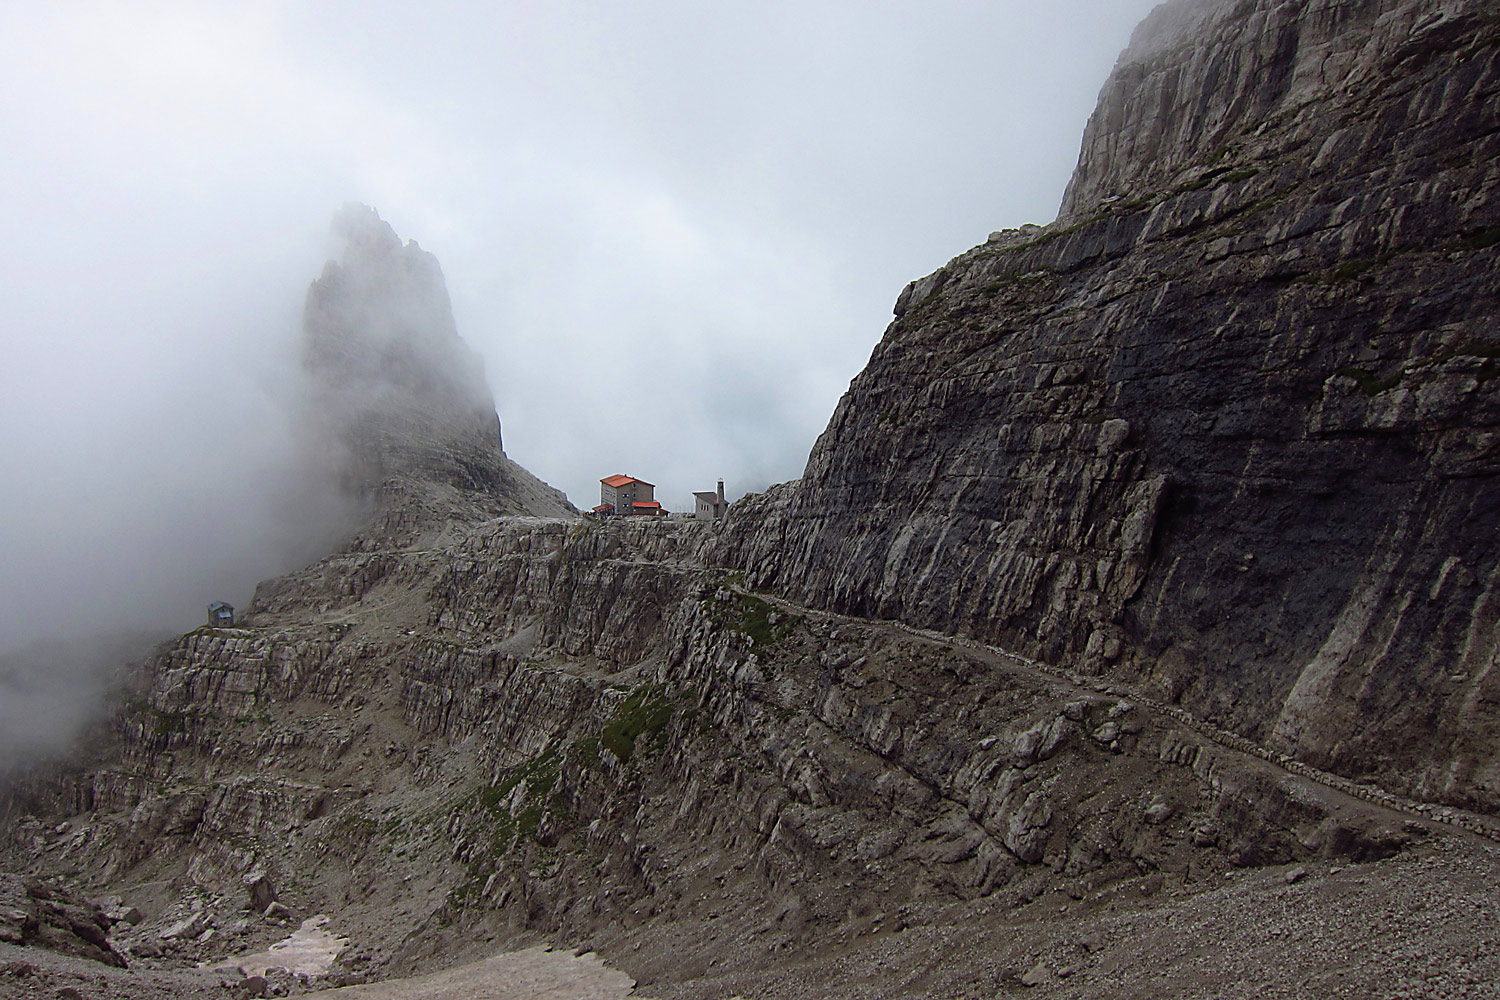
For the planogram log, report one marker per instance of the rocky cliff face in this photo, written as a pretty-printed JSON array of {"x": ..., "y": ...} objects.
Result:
[{"x": 1228, "y": 427}]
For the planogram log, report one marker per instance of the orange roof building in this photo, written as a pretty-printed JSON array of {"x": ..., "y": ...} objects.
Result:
[{"x": 628, "y": 495}]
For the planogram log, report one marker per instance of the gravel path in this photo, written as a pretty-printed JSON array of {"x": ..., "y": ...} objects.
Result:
[
  {"x": 1473, "y": 823},
  {"x": 533, "y": 974}
]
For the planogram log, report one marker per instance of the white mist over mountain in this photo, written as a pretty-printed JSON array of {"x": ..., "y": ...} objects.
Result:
[{"x": 673, "y": 231}]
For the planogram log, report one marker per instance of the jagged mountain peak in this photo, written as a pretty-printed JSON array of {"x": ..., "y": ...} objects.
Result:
[
  {"x": 379, "y": 321},
  {"x": 1206, "y": 86},
  {"x": 361, "y": 224},
  {"x": 395, "y": 387}
]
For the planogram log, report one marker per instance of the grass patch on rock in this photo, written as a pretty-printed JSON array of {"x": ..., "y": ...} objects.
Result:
[
  {"x": 750, "y": 616},
  {"x": 643, "y": 715}
]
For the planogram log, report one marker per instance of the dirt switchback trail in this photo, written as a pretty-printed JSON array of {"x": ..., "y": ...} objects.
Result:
[{"x": 1469, "y": 822}]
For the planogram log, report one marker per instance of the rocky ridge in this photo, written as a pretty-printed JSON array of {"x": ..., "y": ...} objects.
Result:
[{"x": 732, "y": 771}]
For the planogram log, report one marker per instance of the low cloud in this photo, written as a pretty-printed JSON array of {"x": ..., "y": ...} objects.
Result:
[
  {"x": 709, "y": 208},
  {"x": 50, "y": 690}
]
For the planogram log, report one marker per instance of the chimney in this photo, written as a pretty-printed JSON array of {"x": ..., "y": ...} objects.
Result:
[{"x": 721, "y": 493}]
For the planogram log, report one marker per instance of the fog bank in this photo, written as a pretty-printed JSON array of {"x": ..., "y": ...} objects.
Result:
[{"x": 708, "y": 209}]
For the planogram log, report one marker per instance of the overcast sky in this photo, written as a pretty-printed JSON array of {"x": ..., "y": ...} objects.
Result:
[{"x": 706, "y": 208}]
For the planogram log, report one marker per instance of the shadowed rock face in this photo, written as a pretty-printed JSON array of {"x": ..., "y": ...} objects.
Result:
[
  {"x": 1230, "y": 425},
  {"x": 32, "y": 912},
  {"x": 396, "y": 391}
]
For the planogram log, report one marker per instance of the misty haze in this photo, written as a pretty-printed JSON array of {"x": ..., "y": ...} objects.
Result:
[{"x": 704, "y": 213}]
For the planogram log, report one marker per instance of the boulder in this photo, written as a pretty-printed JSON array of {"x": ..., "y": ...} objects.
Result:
[
  {"x": 259, "y": 889},
  {"x": 187, "y": 928},
  {"x": 35, "y": 913}
]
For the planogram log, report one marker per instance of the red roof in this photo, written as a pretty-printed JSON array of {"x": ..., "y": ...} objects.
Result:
[
  {"x": 605, "y": 508},
  {"x": 646, "y": 503},
  {"x": 618, "y": 481}
]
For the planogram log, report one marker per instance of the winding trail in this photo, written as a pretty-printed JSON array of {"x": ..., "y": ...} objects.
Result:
[{"x": 1470, "y": 822}]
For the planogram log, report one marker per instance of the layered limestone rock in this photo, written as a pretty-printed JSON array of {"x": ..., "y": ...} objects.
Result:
[
  {"x": 1202, "y": 77},
  {"x": 1229, "y": 427},
  {"x": 576, "y": 728}
]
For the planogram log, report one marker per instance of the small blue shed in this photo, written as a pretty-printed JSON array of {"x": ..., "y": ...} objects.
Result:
[{"x": 220, "y": 613}]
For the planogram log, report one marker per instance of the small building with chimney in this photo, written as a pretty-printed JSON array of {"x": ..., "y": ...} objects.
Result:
[
  {"x": 711, "y": 506},
  {"x": 626, "y": 495}
]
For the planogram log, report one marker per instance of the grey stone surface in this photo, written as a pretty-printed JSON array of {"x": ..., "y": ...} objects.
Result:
[{"x": 1231, "y": 426}]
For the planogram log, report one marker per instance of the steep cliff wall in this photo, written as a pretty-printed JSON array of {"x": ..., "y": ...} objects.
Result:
[{"x": 1229, "y": 426}]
